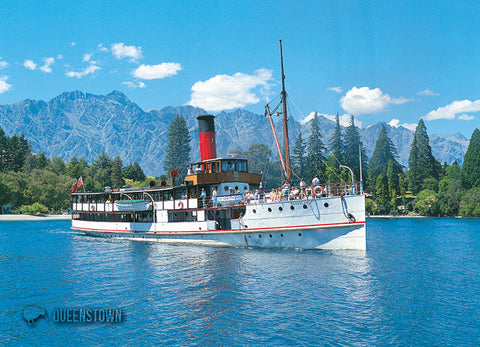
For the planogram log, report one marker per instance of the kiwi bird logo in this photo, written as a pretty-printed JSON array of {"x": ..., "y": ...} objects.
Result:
[{"x": 31, "y": 314}]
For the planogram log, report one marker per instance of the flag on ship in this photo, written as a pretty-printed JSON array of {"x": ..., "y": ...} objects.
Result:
[{"x": 77, "y": 185}]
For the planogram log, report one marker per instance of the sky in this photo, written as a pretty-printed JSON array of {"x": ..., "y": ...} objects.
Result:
[{"x": 389, "y": 61}]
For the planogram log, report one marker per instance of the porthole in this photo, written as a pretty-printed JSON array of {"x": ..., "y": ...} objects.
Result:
[
  {"x": 226, "y": 188},
  {"x": 254, "y": 211},
  {"x": 269, "y": 209},
  {"x": 292, "y": 207},
  {"x": 305, "y": 206},
  {"x": 245, "y": 188},
  {"x": 236, "y": 188},
  {"x": 326, "y": 204},
  {"x": 260, "y": 236},
  {"x": 281, "y": 235},
  {"x": 299, "y": 234},
  {"x": 280, "y": 208}
]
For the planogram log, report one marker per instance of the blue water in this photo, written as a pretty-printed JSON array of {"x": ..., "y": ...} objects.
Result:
[{"x": 418, "y": 283}]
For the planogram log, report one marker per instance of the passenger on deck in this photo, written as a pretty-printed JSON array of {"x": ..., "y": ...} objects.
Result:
[
  {"x": 303, "y": 186},
  {"x": 286, "y": 190},
  {"x": 214, "y": 197},
  {"x": 203, "y": 195},
  {"x": 261, "y": 192}
]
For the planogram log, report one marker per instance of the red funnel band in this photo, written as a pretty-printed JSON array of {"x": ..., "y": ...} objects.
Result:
[{"x": 208, "y": 149}]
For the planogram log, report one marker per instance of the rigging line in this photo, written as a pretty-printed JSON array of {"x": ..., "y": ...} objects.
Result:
[{"x": 298, "y": 108}]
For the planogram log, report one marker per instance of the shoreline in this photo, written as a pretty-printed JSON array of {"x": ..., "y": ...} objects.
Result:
[
  {"x": 31, "y": 217},
  {"x": 414, "y": 217}
]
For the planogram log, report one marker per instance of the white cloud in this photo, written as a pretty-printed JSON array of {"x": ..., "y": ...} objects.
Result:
[
  {"x": 46, "y": 66},
  {"x": 224, "y": 92},
  {"x": 86, "y": 57},
  {"x": 134, "y": 85},
  {"x": 30, "y": 65},
  {"x": 73, "y": 44},
  {"x": 465, "y": 117},
  {"x": 450, "y": 111},
  {"x": 4, "y": 86},
  {"x": 87, "y": 71},
  {"x": 121, "y": 51},
  {"x": 152, "y": 72},
  {"x": 335, "y": 89},
  {"x": 396, "y": 123},
  {"x": 427, "y": 92},
  {"x": 365, "y": 100},
  {"x": 102, "y": 48},
  {"x": 59, "y": 57},
  {"x": 3, "y": 64},
  {"x": 344, "y": 119}
]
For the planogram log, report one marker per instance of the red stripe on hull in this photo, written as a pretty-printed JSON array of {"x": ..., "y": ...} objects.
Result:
[{"x": 312, "y": 226}]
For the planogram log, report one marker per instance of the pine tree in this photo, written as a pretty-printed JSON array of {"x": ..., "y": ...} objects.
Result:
[
  {"x": 393, "y": 184},
  {"x": 178, "y": 151},
  {"x": 315, "y": 150},
  {"x": 336, "y": 142},
  {"x": 101, "y": 171},
  {"x": 422, "y": 164},
  {"x": 134, "y": 172},
  {"x": 352, "y": 143},
  {"x": 116, "y": 173},
  {"x": 258, "y": 156},
  {"x": 298, "y": 156},
  {"x": 3, "y": 150},
  {"x": 384, "y": 152},
  {"x": 382, "y": 197},
  {"x": 471, "y": 162}
]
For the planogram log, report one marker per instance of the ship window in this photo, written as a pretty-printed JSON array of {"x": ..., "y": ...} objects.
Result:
[
  {"x": 241, "y": 165},
  {"x": 325, "y": 204},
  {"x": 269, "y": 209},
  {"x": 192, "y": 192},
  {"x": 226, "y": 188},
  {"x": 305, "y": 206},
  {"x": 180, "y": 193},
  {"x": 292, "y": 207},
  {"x": 280, "y": 208},
  {"x": 181, "y": 217},
  {"x": 228, "y": 165}
]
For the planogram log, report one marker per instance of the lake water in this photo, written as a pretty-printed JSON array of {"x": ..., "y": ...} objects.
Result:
[{"x": 418, "y": 283}]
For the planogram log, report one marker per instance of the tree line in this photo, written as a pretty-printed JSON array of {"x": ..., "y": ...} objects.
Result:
[
  {"x": 426, "y": 188},
  {"x": 33, "y": 183}
]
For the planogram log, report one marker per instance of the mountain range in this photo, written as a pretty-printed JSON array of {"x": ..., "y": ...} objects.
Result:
[{"x": 85, "y": 125}]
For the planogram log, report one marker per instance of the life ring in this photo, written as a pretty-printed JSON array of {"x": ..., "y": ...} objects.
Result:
[
  {"x": 180, "y": 204},
  {"x": 318, "y": 191},
  {"x": 92, "y": 207}
]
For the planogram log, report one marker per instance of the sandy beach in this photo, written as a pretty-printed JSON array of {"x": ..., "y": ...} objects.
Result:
[{"x": 29, "y": 217}]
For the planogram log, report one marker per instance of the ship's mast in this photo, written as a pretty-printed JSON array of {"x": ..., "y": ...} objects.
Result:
[{"x": 285, "y": 119}]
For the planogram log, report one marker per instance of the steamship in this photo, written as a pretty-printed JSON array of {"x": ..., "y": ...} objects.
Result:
[{"x": 215, "y": 206}]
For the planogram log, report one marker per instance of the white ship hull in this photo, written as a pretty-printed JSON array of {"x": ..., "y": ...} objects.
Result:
[{"x": 322, "y": 223}]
